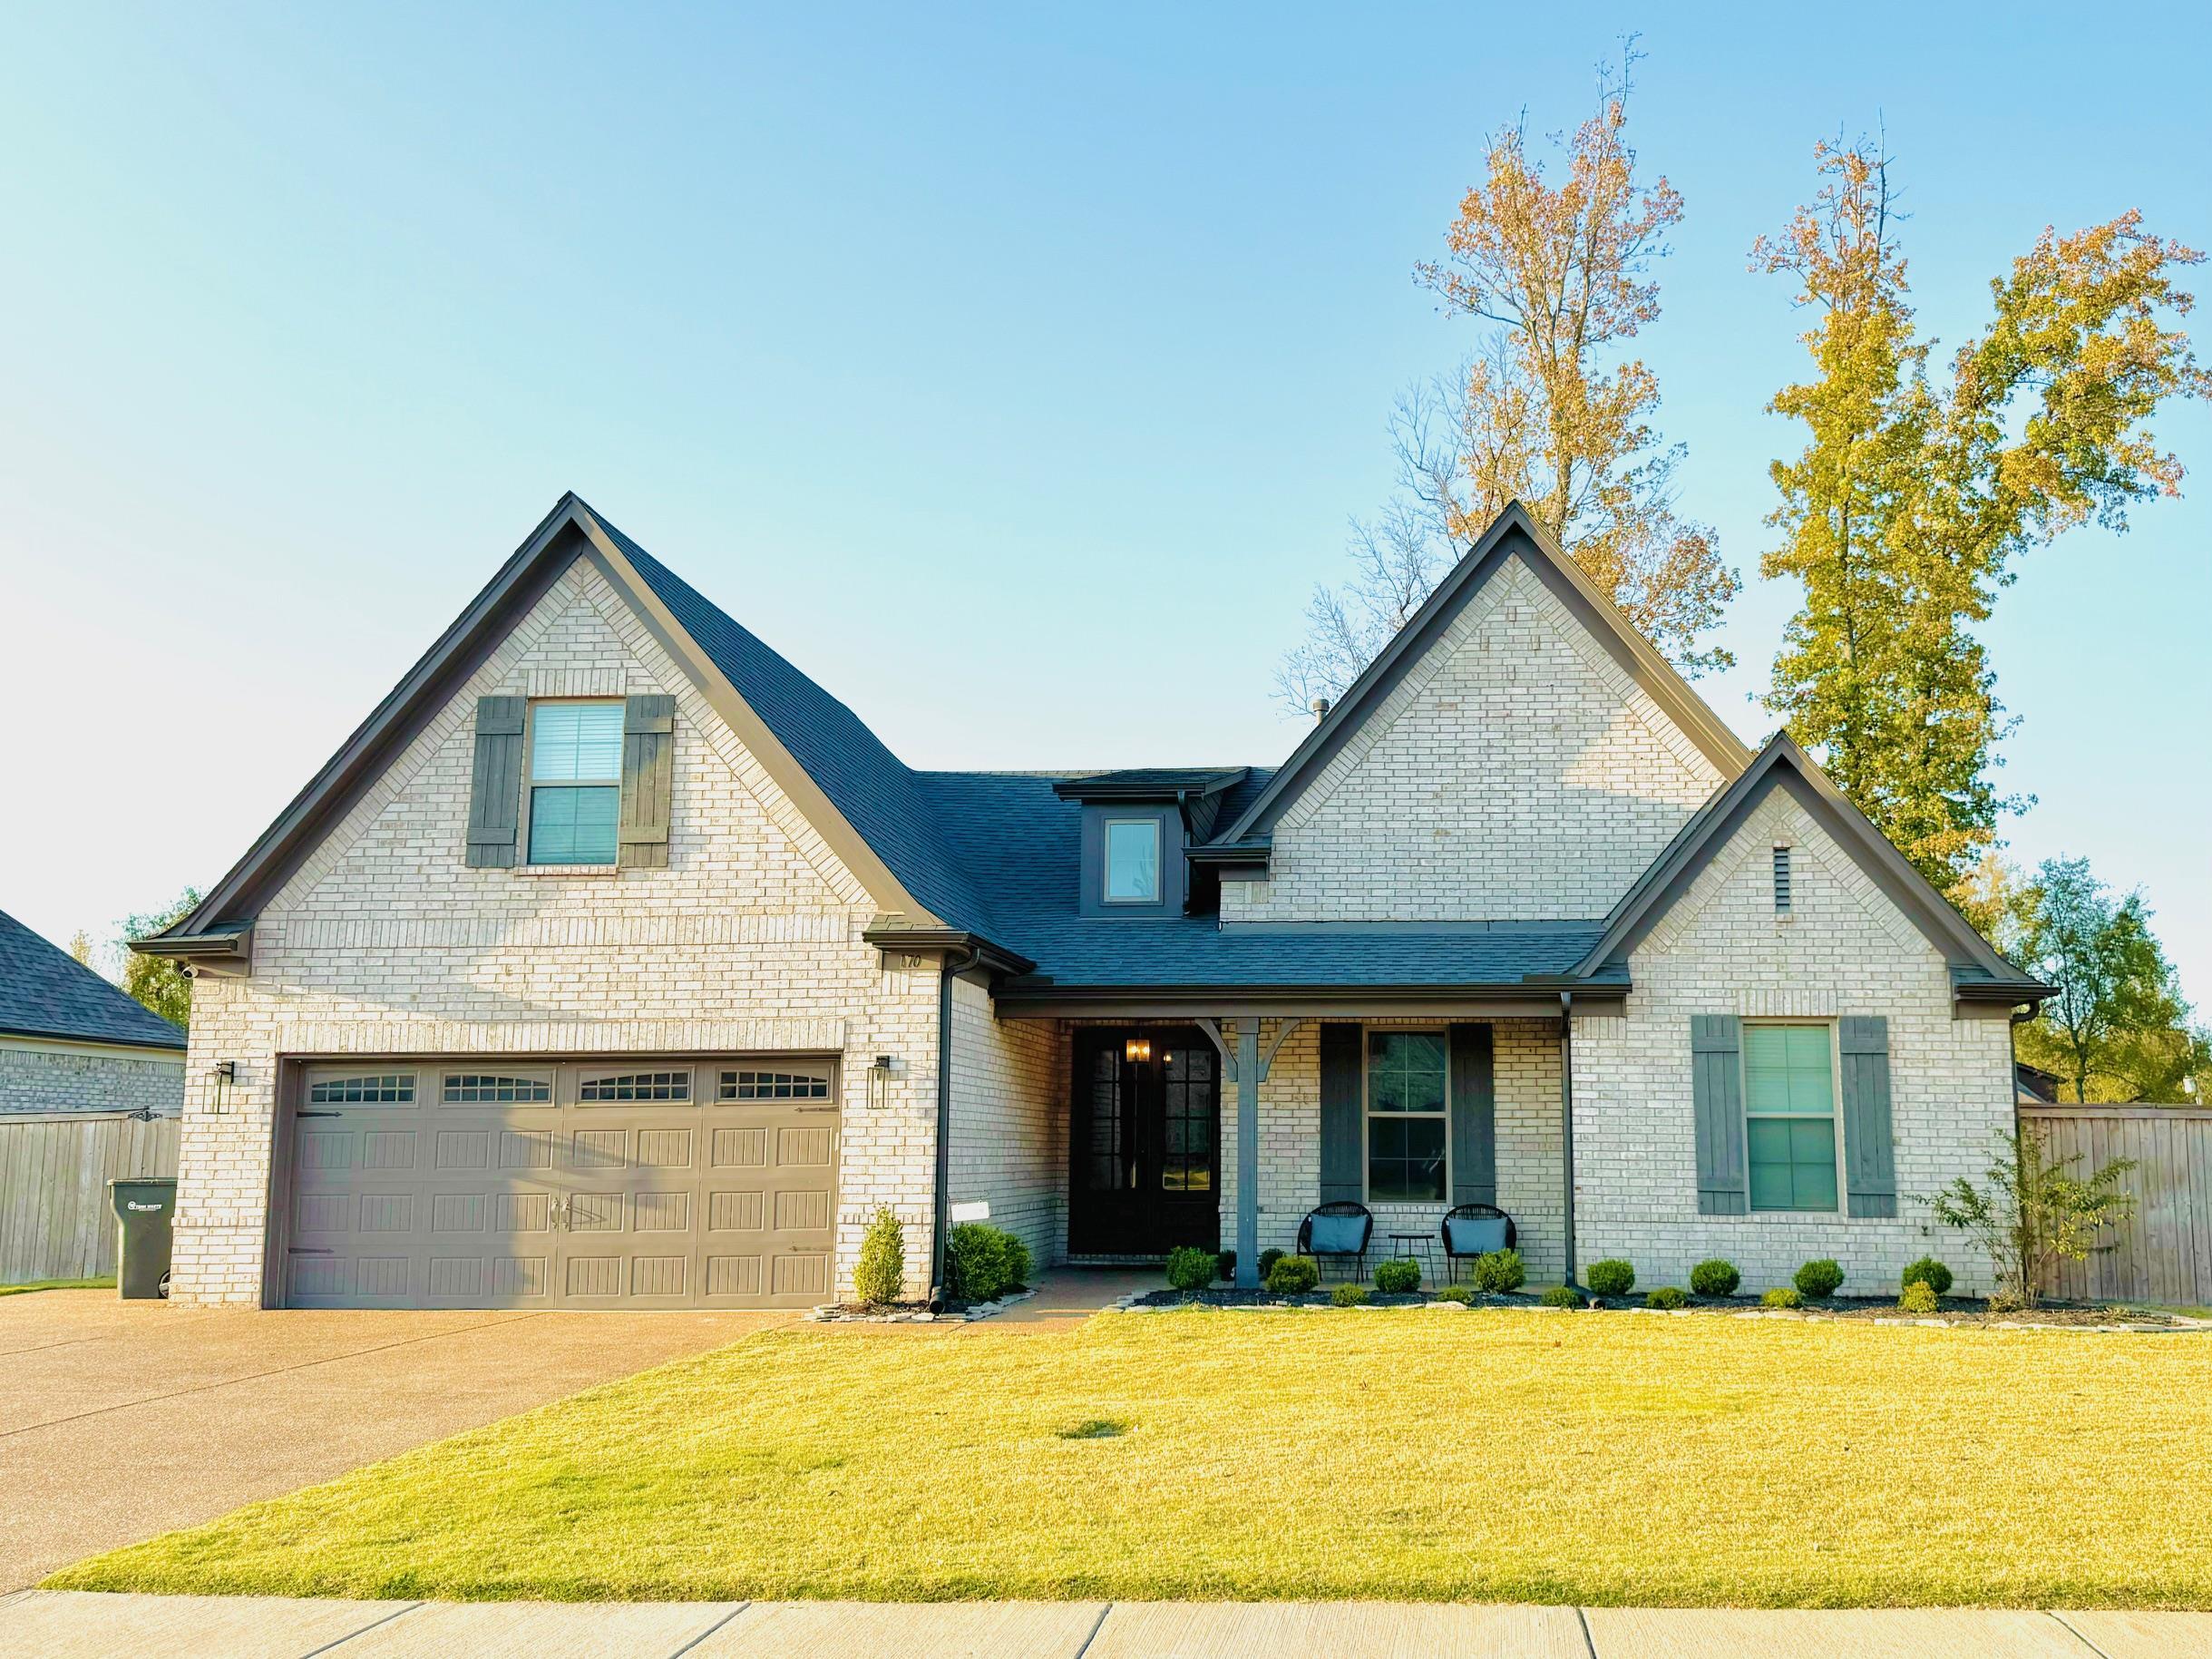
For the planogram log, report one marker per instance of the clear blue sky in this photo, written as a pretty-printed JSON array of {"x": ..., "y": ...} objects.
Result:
[{"x": 1063, "y": 336}]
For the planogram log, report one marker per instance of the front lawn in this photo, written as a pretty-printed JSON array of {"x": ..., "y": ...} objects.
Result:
[
  {"x": 1481, "y": 1455},
  {"x": 107, "y": 1283}
]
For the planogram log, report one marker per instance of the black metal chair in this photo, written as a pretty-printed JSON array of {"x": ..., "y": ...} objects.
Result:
[
  {"x": 1475, "y": 1229},
  {"x": 1338, "y": 1231}
]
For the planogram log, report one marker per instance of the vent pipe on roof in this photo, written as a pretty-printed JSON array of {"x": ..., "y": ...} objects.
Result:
[{"x": 1320, "y": 709}]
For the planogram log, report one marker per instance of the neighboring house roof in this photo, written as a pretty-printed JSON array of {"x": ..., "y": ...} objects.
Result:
[
  {"x": 44, "y": 991},
  {"x": 2036, "y": 1083}
]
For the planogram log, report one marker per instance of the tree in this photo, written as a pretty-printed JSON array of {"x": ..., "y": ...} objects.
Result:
[
  {"x": 2033, "y": 1213},
  {"x": 155, "y": 980},
  {"x": 1547, "y": 413},
  {"x": 1904, "y": 513},
  {"x": 81, "y": 948},
  {"x": 2119, "y": 1027}
]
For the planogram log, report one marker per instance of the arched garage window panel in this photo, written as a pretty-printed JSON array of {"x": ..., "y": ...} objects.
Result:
[
  {"x": 614, "y": 1086},
  {"x": 773, "y": 1085},
  {"x": 496, "y": 1088},
  {"x": 364, "y": 1088}
]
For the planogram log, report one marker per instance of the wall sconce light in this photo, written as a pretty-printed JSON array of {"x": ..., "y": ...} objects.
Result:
[
  {"x": 226, "y": 1074},
  {"x": 879, "y": 1083},
  {"x": 1136, "y": 1050}
]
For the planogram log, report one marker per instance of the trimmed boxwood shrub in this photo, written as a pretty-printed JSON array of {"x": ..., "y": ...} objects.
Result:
[
  {"x": 1561, "y": 1296},
  {"x": 1931, "y": 1273},
  {"x": 1268, "y": 1258},
  {"x": 1666, "y": 1297},
  {"x": 1818, "y": 1279},
  {"x": 1717, "y": 1277},
  {"x": 1456, "y": 1293},
  {"x": 1294, "y": 1275},
  {"x": 1611, "y": 1278},
  {"x": 1919, "y": 1297},
  {"x": 880, "y": 1273},
  {"x": 1781, "y": 1296},
  {"x": 1348, "y": 1295},
  {"x": 982, "y": 1263},
  {"x": 1190, "y": 1268},
  {"x": 1500, "y": 1270},
  {"x": 1395, "y": 1278},
  {"x": 1224, "y": 1266}
]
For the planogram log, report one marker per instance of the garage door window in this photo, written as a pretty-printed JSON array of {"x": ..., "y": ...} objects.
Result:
[
  {"x": 492, "y": 1088},
  {"x": 377, "y": 1088},
  {"x": 623, "y": 1086},
  {"x": 773, "y": 1085}
]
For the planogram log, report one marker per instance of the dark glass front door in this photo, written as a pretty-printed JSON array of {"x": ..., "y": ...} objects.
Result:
[{"x": 1144, "y": 1142}]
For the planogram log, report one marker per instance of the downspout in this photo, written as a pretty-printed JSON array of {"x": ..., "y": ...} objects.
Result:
[
  {"x": 941, "y": 1196},
  {"x": 1566, "y": 1121}
]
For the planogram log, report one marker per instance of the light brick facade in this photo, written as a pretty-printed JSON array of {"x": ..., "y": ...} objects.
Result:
[
  {"x": 1009, "y": 1120},
  {"x": 83, "y": 1078}
]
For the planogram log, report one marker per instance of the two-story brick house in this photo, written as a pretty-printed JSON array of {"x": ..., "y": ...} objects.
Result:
[{"x": 614, "y": 962}]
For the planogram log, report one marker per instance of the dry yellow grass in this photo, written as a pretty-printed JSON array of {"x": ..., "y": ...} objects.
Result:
[{"x": 1602, "y": 1459}]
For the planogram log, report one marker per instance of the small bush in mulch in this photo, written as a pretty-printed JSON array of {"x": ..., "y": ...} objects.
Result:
[
  {"x": 1268, "y": 1258},
  {"x": 1717, "y": 1277},
  {"x": 1918, "y": 1297},
  {"x": 1500, "y": 1270},
  {"x": 880, "y": 1273},
  {"x": 1459, "y": 1293},
  {"x": 1929, "y": 1272},
  {"x": 1783, "y": 1296},
  {"x": 1192, "y": 1268},
  {"x": 1348, "y": 1295},
  {"x": 1611, "y": 1278},
  {"x": 1819, "y": 1279},
  {"x": 1561, "y": 1296},
  {"x": 1395, "y": 1278},
  {"x": 1294, "y": 1275},
  {"x": 1666, "y": 1298}
]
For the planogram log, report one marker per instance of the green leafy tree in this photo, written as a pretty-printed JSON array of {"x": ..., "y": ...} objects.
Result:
[
  {"x": 155, "y": 980},
  {"x": 2032, "y": 1213},
  {"x": 1903, "y": 515}
]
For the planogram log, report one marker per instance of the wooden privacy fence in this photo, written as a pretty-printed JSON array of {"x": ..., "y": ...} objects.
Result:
[
  {"x": 2163, "y": 1253},
  {"x": 55, "y": 1221}
]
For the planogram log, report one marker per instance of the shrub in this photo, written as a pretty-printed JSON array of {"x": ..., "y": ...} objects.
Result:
[
  {"x": 1192, "y": 1268},
  {"x": 982, "y": 1263},
  {"x": 1717, "y": 1277},
  {"x": 1348, "y": 1295},
  {"x": 1818, "y": 1279},
  {"x": 1612, "y": 1278},
  {"x": 1268, "y": 1258},
  {"x": 1224, "y": 1266},
  {"x": 2035, "y": 1211},
  {"x": 1294, "y": 1275},
  {"x": 1919, "y": 1297},
  {"x": 1931, "y": 1273},
  {"x": 1781, "y": 1296},
  {"x": 880, "y": 1275},
  {"x": 1666, "y": 1297},
  {"x": 1456, "y": 1293},
  {"x": 1561, "y": 1296},
  {"x": 1395, "y": 1278},
  {"x": 1500, "y": 1270}
]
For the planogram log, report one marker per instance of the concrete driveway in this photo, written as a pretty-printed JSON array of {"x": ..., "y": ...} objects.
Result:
[{"x": 118, "y": 1420}]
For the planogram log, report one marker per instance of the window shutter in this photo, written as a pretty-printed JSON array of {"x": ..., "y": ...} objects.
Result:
[
  {"x": 648, "y": 740},
  {"x": 1715, "y": 1082},
  {"x": 1341, "y": 1154},
  {"x": 495, "y": 788},
  {"x": 1474, "y": 1117},
  {"x": 1870, "y": 1164}
]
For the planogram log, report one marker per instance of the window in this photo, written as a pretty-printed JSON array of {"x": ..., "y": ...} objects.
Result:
[
  {"x": 1407, "y": 1123},
  {"x": 1789, "y": 1104},
  {"x": 575, "y": 782},
  {"x": 484, "y": 1088},
  {"x": 1781, "y": 881},
  {"x": 1133, "y": 861},
  {"x": 1188, "y": 1116},
  {"x": 637, "y": 1086},
  {"x": 383, "y": 1089},
  {"x": 771, "y": 1086}
]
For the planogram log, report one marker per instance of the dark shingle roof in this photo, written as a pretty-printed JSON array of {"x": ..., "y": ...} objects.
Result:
[{"x": 44, "y": 991}]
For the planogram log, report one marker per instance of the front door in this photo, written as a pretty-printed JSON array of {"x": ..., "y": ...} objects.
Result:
[{"x": 1144, "y": 1142}]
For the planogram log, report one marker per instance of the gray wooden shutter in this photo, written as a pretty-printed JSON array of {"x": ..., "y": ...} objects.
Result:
[
  {"x": 495, "y": 789},
  {"x": 1342, "y": 1176},
  {"x": 1870, "y": 1164},
  {"x": 1474, "y": 1117},
  {"x": 1716, "y": 1083},
  {"x": 648, "y": 741}
]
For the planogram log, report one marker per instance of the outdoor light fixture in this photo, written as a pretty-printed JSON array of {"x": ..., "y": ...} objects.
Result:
[
  {"x": 879, "y": 1083},
  {"x": 226, "y": 1074},
  {"x": 1137, "y": 1049}
]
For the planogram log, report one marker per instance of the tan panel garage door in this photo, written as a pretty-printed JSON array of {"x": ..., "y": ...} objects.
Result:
[{"x": 472, "y": 1182}]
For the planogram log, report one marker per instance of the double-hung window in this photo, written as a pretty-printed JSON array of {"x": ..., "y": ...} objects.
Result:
[
  {"x": 575, "y": 782},
  {"x": 1790, "y": 1109},
  {"x": 1407, "y": 1077}
]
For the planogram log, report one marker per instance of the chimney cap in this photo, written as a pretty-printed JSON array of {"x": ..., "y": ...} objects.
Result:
[{"x": 1320, "y": 708}]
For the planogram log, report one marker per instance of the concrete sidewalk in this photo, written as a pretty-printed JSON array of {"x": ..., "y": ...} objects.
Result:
[{"x": 52, "y": 1625}]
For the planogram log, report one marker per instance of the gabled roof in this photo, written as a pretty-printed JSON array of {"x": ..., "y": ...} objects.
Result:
[
  {"x": 1979, "y": 970},
  {"x": 44, "y": 991},
  {"x": 1512, "y": 532},
  {"x": 1151, "y": 783}
]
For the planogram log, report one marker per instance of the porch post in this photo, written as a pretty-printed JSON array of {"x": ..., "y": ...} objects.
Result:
[{"x": 1248, "y": 1154}]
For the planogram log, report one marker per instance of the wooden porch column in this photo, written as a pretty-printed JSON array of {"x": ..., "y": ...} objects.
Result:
[{"x": 1248, "y": 1072}]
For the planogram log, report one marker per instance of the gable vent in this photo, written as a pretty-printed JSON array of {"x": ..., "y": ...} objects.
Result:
[{"x": 1781, "y": 881}]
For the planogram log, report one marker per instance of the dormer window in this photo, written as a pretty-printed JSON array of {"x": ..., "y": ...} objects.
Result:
[{"x": 1133, "y": 861}]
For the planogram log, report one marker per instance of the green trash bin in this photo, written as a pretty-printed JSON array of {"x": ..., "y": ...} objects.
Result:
[{"x": 142, "y": 1210}]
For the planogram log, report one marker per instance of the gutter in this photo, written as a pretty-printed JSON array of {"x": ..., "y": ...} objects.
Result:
[
  {"x": 941, "y": 1196},
  {"x": 1566, "y": 1124},
  {"x": 229, "y": 940}
]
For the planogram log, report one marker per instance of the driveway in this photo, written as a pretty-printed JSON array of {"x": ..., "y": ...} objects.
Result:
[{"x": 118, "y": 1420}]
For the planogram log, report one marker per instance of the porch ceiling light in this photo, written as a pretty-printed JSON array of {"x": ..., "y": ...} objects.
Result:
[{"x": 1137, "y": 1049}]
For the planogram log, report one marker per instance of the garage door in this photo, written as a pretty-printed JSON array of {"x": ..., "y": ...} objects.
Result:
[{"x": 470, "y": 1182}]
